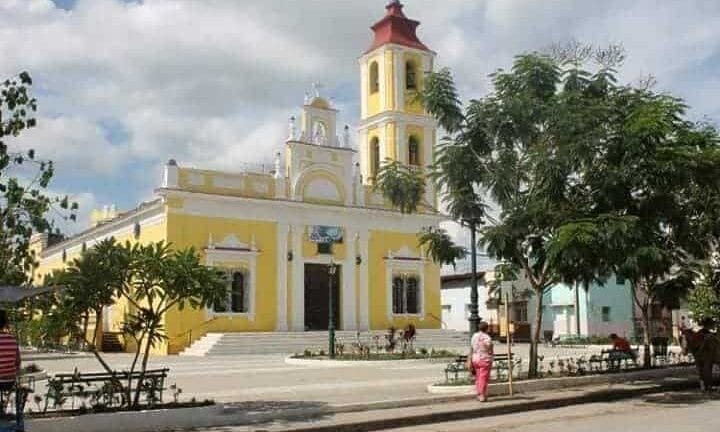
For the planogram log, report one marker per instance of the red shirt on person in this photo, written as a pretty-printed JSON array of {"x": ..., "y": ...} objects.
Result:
[
  {"x": 621, "y": 344},
  {"x": 9, "y": 357}
]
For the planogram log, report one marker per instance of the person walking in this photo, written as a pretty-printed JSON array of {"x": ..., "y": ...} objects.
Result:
[{"x": 481, "y": 358}]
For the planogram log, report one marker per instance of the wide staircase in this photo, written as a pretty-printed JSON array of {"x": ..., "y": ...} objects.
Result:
[{"x": 229, "y": 344}]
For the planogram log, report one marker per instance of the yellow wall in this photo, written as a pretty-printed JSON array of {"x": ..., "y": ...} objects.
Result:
[
  {"x": 389, "y": 79},
  {"x": 185, "y": 231},
  {"x": 148, "y": 234},
  {"x": 373, "y": 100},
  {"x": 380, "y": 243}
]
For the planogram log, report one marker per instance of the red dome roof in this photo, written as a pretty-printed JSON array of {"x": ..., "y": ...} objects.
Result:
[{"x": 396, "y": 28}]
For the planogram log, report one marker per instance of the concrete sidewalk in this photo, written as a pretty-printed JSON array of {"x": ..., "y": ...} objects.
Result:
[
  {"x": 366, "y": 416},
  {"x": 460, "y": 409}
]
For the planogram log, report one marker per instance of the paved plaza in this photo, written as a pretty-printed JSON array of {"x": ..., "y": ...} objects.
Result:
[
  {"x": 658, "y": 413},
  {"x": 268, "y": 378}
]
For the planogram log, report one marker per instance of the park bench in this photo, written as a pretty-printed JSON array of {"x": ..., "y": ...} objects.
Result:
[
  {"x": 614, "y": 360},
  {"x": 18, "y": 394},
  {"x": 458, "y": 367},
  {"x": 106, "y": 388}
]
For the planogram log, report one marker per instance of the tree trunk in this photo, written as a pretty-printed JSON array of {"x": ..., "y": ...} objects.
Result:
[
  {"x": 98, "y": 337},
  {"x": 146, "y": 355},
  {"x": 86, "y": 322},
  {"x": 647, "y": 359},
  {"x": 138, "y": 348},
  {"x": 535, "y": 338},
  {"x": 644, "y": 306}
]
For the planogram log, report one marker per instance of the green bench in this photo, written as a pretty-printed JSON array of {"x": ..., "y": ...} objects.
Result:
[{"x": 457, "y": 369}]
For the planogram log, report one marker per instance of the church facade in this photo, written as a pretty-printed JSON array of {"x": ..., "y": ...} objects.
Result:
[{"x": 277, "y": 232}]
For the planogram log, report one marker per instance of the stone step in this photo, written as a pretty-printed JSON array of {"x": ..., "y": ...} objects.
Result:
[{"x": 224, "y": 344}]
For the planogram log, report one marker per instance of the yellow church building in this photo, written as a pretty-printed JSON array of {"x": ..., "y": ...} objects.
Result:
[{"x": 277, "y": 232}]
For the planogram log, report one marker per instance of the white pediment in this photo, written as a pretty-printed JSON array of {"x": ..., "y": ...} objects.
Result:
[
  {"x": 403, "y": 253},
  {"x": 232, "y": 242},
  {"x": 322, "y": 189}
]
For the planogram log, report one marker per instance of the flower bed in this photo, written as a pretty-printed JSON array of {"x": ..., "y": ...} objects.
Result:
[{"x": 422, "y": 354}]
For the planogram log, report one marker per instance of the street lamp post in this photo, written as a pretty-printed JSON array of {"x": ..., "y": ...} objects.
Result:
[
  {"x": 332, "y": 269},
  {"x": 474, "y": 319}
]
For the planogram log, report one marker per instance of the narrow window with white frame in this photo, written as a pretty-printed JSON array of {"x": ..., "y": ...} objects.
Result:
[
  {"x": 237, "y": 300},
  {"x": 406, "y": 295}
]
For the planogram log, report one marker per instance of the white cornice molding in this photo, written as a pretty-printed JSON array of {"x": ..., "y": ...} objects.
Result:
[
  {"x": 395, "y": 47},
  {"x": 397, "y": 116},
  {"x": 302, "y": 213},
  {"x": 149, "y": 216}
]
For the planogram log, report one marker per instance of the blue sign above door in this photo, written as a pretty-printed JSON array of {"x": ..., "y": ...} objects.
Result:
[{"x": 325, "y": 234}]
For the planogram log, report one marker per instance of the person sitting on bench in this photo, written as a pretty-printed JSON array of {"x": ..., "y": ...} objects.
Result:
[
  {"x": 621, "y": 350},
  {"x": 9, "y": 356}
]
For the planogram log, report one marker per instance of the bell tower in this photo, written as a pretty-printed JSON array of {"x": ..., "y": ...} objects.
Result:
[{"x": 394, "y": 124}]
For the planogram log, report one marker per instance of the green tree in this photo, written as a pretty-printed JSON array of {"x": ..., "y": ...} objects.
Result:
[
  {"x": 505, "y": 146},
  {"x": 23, "y": 181},
  {"x": 454, "y": 173},
  {"x": 402, "y": 185},
  {"x": 704, "y": 300},
  {"x": 92, "y": 283},
  {"x": 160, "y": 279}
]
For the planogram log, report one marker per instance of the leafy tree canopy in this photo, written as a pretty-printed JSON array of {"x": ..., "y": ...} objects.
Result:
[{"x": 24, "y": 205}]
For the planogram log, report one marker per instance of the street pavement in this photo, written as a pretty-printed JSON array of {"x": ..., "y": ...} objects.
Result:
[
  {"x": 674, "y": 412},
  {"x": 268, "y": 378}
]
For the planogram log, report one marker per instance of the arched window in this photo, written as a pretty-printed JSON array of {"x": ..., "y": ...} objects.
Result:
[
  {"x": 374, "y": 157},
  {"x": 413, "y": 151},
  {"x": 238, "y": 303},
  {"x": 410, "y": 76},
  {"x": 374, "y": 77}
]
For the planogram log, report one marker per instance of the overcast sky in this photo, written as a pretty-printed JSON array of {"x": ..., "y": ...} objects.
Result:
[{"x": 125, "y": 85}]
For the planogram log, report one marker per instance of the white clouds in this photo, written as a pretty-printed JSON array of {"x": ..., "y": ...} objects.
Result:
[
  {"x": 74, "y": 144},
  {"x": 212, "y": 82}
]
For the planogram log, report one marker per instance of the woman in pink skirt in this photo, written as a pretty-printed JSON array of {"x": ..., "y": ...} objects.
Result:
[{"x": 481, "y": 355}]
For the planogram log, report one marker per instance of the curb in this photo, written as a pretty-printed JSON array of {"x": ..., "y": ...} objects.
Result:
[
  {"x": 290, "y": 360},
  {"x": 605, "y": 395},
  {"x": 543, "y": 384}
]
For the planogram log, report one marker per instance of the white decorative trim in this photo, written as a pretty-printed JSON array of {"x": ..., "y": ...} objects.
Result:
[
  {"x": 348, "y": 296},
  {"x": 364, "y": 300},
  {"x": 400, "y": 262},
  {"x": 124, "y": 226},
  {"x": 403, "y": 253},
  {"x": 391, "y": 46},
  {"x": 232, "y": 242},
  {"x": 401, "y": 143},
  {"x": 298, "y": 280},
  {"x": 379, "y": 119},
  {"x": 398, "y": 68},
  {"x": 196, "y": 179},
  {"x": 364, "y": 89},
  {"x": 227, "y": 182},
  {"x": 170, "y": 176},
  {"x": 383, "y": 86},
  {"x": 232, "y": 254},
  {"x": 300, "y": 213},
  {"x": 261, "y": 187},
  {"x": 282, "y": 280}
]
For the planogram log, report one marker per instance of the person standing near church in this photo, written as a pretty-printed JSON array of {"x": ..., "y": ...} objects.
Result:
[
  {"x": 9, "y": 355},
  {"x": 481, "y": 358}
]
